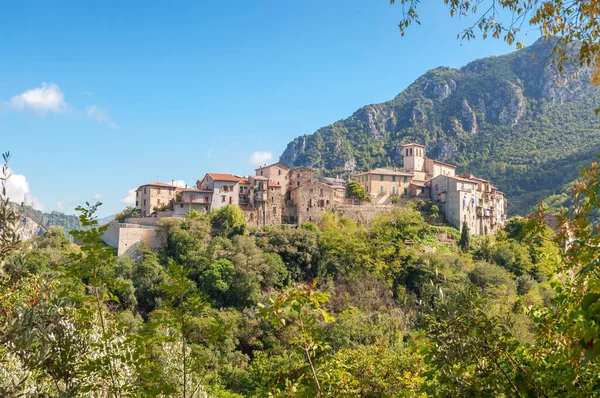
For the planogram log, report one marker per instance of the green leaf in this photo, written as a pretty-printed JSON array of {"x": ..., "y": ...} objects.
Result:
[{"x": 588, "y": 300}]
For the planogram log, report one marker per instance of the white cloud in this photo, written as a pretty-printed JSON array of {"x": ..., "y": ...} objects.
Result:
[
  {"x": 129, "y": 200},
  {"x": 97, "y": 196},
  {"x": 18, "y": 190},
  {"x": 59, "y": 205},
  {"x": 101, "y": 116},
  {"x": 260, "y": 158},
  {"x": 46, "y": 98}
]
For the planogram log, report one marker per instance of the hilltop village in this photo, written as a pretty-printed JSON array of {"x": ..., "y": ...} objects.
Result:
[{"x": 277, "y": 194}]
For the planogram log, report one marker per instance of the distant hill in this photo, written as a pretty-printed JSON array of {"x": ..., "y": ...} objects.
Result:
[
  {"x": 504, "y": 118},
  {"x": 54, "y": 218},
  {"x": 106, "y": 219}
]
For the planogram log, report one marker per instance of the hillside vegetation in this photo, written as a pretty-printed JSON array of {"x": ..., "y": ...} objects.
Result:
[{"x": 509, "y": 118}]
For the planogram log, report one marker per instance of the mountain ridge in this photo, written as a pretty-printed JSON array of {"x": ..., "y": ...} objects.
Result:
[{"x": 509, "y": 118}]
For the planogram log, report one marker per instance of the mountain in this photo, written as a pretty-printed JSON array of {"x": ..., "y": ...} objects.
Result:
[
  {"x": 106, "y": 219},
  {"x": 511, "y": 118},
  {"x": 55, "y": 218}
]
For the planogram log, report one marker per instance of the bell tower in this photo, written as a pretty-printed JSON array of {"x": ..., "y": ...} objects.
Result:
[{"x": 414, "y": 157}]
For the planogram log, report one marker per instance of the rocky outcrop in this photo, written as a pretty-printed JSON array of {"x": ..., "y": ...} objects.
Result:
[
  {"x": 29, "y": 229},
  {"x": 469, "y": 120}
]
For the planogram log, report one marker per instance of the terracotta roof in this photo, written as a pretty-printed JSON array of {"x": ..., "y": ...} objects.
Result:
[
  {"x": 274, "y": 185},
  {"x": 385, "y": 171},
  {"x": 414, "y": 144},
  {"x": 463, "y": 179},
  {"x": 283, "y": 165},
  {"x": 159, "y": 184},
  {"x": 445, "y": 164},
  {"x": 418, "y": 183},
  {"x": 225, "y": 177},
  {"x": 472, "y": 177},
  {"x": 194, "y": 190}
]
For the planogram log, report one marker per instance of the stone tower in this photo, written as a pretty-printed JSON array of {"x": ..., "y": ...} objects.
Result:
[{"x": 414, "y": 157}]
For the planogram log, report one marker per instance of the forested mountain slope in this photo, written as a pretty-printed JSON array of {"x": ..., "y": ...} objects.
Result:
[{"x": 509, "y": 118}]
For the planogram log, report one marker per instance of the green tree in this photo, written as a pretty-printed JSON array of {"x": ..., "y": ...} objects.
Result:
[
  {"x": 10, "y": 216},
  {"x": 302, "y": 307},
  {"x": 356, "y": 191},
  {"x": 230, "y": 220},
  {"x": 465, "y": 238}
]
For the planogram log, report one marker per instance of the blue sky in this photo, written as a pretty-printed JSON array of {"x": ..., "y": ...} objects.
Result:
[{"x": 98, "y": 98}]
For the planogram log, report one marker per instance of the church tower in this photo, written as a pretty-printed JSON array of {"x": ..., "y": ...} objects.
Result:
[{"x": 414, "y": 157}]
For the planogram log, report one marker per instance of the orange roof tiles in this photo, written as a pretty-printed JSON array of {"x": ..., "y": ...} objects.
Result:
[{"x": 225, "y": 177}]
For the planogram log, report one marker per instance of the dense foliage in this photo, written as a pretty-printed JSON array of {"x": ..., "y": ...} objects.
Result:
[
  {"x": 53, "y": 219},
  {"x": 400, "y": 308},
  {"x": 507, "y": 118}
]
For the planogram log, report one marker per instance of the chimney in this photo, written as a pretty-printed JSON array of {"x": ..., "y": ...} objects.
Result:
[{"x": 172, "y": 182}]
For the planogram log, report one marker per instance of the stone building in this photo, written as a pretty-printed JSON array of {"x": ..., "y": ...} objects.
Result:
[
  {"x": 225, "y": 189},
  {"x": 463, "y": 198},
  {"x": 421, "y": 167},
  {"x": 300, "y": 176},
  {"x": 154, "y": 196},
  {"x": 471, "y": 200},
  {"x": 190, "y": 199},
  {"x": 308, "y": 201},
  {"x": 277, "y": 173},
  {"x": 383, "y": 184}
]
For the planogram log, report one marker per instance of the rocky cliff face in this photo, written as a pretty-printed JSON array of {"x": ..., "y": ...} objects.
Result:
[
  {"x": 502, "y": 117},
  {"x": 29, "y": 229}
]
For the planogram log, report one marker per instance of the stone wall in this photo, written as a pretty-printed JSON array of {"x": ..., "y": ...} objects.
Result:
[
  {"x": 362, "y": 214},
  {"x": 126, "y": 238},
  {"x": 143, "y": 221}
]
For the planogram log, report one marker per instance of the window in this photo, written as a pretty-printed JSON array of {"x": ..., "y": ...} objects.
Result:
[
  {"x": 230, "y": 199},
  {"x": 405, "y": 179},
  {"x": 181, "y": 205},
  {"x": 144, "y": 191},
  {"x": 367, "y": 178},
  {"x": 298, "y": 183},
  {"x": 393, "y": 178},
  {"x": 206, "y": 199},
  {"x": 298, "y": 175},
  {"x": 261, "y": 172},
  {"x": 279, "y": 172},
  {"x": 192, "y": 197},
  {"x": 310, "y": 191},
  {"x": 321, "y": 192},
  {"x": 144, "y": 202},
  {"x": 223, "y": 198},
  {"x": 381, "y": 177},
  {"x": 393, "y": 190},
  {"x": 310, "y": 203},
  {"x": 275, "y": 209},
  {"x": 437, "y": 187},
  {"x": 405, "y": 191},
  {"x": 381, "y": 190},
  {"x": 159, "y": 191},
  {"x": 136, "y": 203}
]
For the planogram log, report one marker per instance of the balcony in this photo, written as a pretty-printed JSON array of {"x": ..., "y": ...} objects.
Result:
[{"x": 261, "y": 196}]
